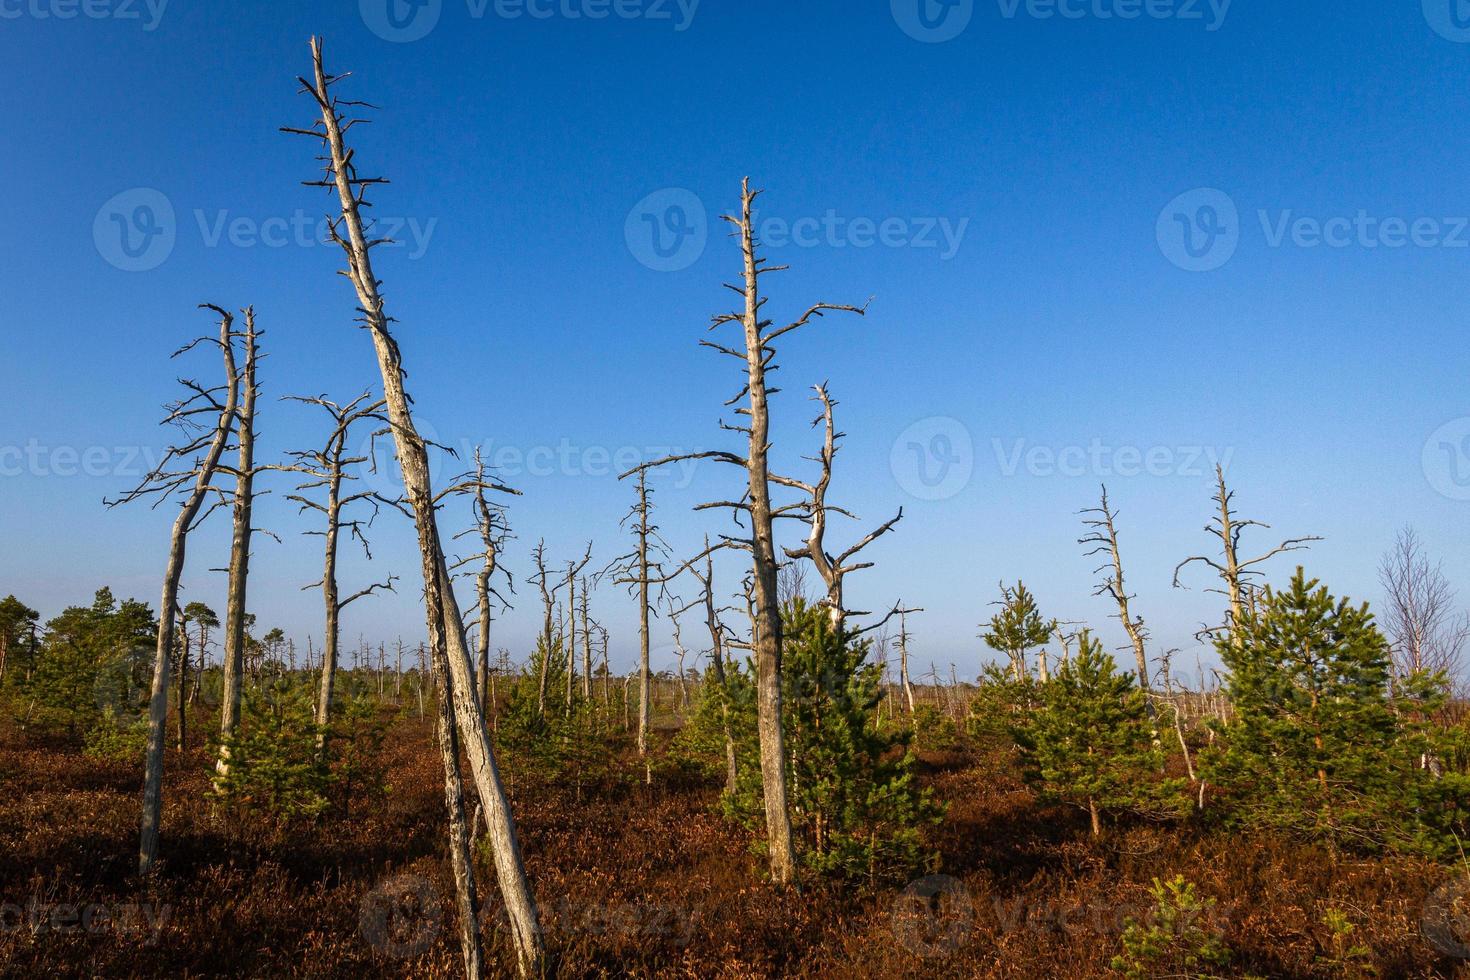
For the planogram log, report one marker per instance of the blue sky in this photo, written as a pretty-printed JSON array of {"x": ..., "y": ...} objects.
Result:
[{"x": 1015, "y": 199}]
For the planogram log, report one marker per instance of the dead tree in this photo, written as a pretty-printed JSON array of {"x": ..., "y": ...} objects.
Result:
[
  {"x": 1104, "y": 541},
  {"x": 815, "y": 511},
  {"x": 328, "y": 469},
  {"x": 574, "y": 568},
  {"x": 1426, "y": 633},
  {"x": 903, "y": 653},
  {"x": 641, "y": 570},
  {"x": 757, "y": 352},
  {"x": 717, "y": 660},
  {"x": 1235, "y": 573},
  {"x": 445, "y": 625},
  {"x": 586, "y": 641},
  {"x": 188, "y": 468},
  {"x": 244, "y": 472},
  {"x": 493, "y": 531},
  {"x": 542, "y": 581}
]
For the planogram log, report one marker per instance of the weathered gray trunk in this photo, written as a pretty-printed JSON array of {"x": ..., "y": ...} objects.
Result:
[
  {"x": 234, "y": 653},
  {"x": 444, "y": 622},
  {"x": 168, "y": 611},
  {"x": 767, "y": 639},
  {"x": 331, "y": 602},
  {"x": 460, "y": 856}
]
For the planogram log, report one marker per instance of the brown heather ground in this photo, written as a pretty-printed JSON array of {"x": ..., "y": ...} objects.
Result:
[{"x": 641, "y": 882}]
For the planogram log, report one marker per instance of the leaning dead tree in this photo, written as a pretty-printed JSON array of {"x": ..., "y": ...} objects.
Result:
[
  {"x": 1235, "y": 573},
  {"x": 815, "y": 511},
  {"x": 188, "y": 469},
  {"x": 448, "y": 648},
  {"x": 756, "y": 351},
  {"x": 492, "y": 530},
  {"x": 329, "y": 469},
  {"x": 244, "y": 471},
  {"x": 1103, "y": 538}
]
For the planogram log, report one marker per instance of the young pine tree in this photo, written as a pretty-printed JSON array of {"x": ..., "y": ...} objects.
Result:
[
  {"x": 1089, "y": 744},
  {"x": 1018, "y": 628},
  {"x": 857, "y": 810},
  {"x": 1313, "y": 745}
]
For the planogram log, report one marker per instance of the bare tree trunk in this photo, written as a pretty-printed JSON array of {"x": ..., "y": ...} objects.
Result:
[
  {"x": 782, "y": 851},
  {"x": 444, "y": 622},
  {"x": 1234, "y": 571},
  {"x": 903, "y": 657},
  {"x": 645, "y": 677},
  {"x": 239, "y": 545},
  {"x": 460, "y": 857},
  {"x": 183, "y": 687},
  {"x": 586, "y": 643},
  {"x": 168, "y": 606}
]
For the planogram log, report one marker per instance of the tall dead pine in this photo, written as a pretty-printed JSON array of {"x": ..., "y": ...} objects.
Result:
[
  {"x": 244, "y": 471},
  {"x": 756, "y": 351},
  {"x": 1235, "y": 573},
  {"x": 445, "y": 624},
  {"x": 1103, "y": 539},
  {"x": 188, "y": 468}
]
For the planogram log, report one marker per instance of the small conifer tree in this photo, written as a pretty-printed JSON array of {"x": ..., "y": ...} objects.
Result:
[
  {"x": 1313, "y": 744},
  {"x": 1090, "y": 744},
  {"x": 1018, "y": 627},
  {"x": 857, "y": 809}
]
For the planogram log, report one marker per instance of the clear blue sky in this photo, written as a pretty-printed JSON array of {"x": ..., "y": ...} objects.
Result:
[{"x": 1060, "y": 312}]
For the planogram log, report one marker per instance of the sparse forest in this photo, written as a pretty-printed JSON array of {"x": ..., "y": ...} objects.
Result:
[{"x": 788, "y": 787}]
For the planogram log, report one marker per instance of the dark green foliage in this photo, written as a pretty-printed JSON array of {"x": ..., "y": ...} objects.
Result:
[
  {"x": 856, "y": 807},
  {"x": 1018, "y": 627},
  {"x": 275, "y": 766},
  {"x": 1177, "y": 939},
  {"x": 1003, "y": 703},
  {"x": 94, "y": 662},
  {"x": 1316, "y": 743},
  {"x": 561, "y": 742},
  {"x": 934, "y": 730},
  {"x": 19, "y": 639},
  {"x": 1089, "y": 743},
  {"x": 353, "y": 751},
  {"x": 700, "y": 745}
]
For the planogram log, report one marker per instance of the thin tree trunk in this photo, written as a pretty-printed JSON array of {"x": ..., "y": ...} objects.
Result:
[
  {"x": 235, "y": 606},
  {"x": 168, "y": 610},
  {"x": 443, "y": 619},
  {"x": 782, "y": 852},
  {"x": 460, "y": 857}
]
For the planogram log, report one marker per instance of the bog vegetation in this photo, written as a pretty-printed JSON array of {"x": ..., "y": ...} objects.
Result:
[{"x": 790, "y": 800}]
